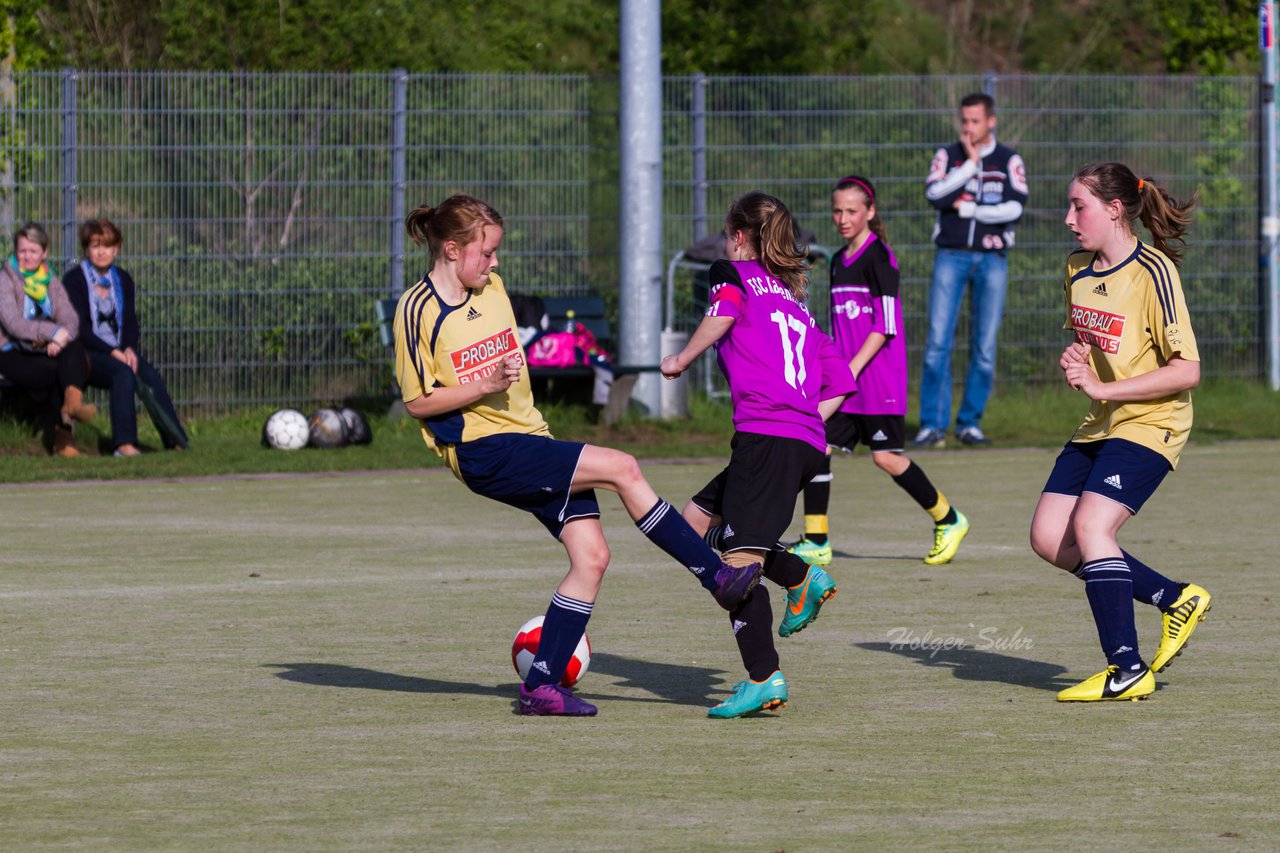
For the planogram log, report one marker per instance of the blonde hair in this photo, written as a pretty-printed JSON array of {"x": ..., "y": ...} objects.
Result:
[
  {"x": 1164, "y": 216},
  {"x": 460, "y": 218},
  {"x": 773, "y": 233}
]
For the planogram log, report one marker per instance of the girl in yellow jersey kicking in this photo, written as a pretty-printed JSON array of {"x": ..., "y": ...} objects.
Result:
[
  {"x": 1135, "y": 357},
  {"x": 462, "y": 374}
]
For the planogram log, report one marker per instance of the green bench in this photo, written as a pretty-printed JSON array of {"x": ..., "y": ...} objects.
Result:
[{"x": 588, "y": 311}]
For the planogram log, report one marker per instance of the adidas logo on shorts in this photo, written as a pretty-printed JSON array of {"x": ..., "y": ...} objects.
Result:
[
  {"x": 1113, "y": 481},
  {"x": 879, "y": 436},
  {"x": 1101, "y": 289}
]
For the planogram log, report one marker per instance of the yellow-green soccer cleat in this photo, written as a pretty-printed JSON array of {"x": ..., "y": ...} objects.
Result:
[
  {"x": 947, "y": 539},
  {"x": 811, "y": 552},
  {"x": 1179, "y": 621},
  {"x": 1112, "y": 685}
]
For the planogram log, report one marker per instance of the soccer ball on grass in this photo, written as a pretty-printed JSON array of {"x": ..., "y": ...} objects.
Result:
[
  {"x": 526, "y": 646},
  {"x": 286, "y": 429},
  {"x": 328, "y": 429}
]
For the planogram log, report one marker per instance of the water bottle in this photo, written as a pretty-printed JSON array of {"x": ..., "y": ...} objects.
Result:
[{"x": 570, "y": 324}]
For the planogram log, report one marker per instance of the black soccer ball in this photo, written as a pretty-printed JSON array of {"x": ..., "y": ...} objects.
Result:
[{"x": 358, "y": 431}]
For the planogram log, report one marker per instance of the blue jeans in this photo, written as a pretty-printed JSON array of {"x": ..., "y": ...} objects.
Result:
[
  {"x": 988, "y": 273},
  {"x": 116, "y": 376}
]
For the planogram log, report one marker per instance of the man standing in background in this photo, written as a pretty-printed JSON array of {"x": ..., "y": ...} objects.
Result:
[{"x": 979, "y": 188}]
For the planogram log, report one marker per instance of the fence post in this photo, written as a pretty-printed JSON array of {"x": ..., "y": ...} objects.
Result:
[
  {"x": 399, "y": 109},
  {"x": 699, "y": 129},
  {"x": 70, "y": 155},
  {"x": 989, "y": 80}
]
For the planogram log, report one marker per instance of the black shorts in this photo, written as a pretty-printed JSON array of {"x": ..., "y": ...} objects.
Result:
[
  {"x": 877, "y": 432},
  {"x": 756, "y": 494}
]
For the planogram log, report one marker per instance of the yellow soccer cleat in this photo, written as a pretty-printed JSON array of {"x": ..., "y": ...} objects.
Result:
[
  {"x": 947, "y": 539},
  {"x": 1112, "y": 684},
  {"x": 1179, "y": 621}
]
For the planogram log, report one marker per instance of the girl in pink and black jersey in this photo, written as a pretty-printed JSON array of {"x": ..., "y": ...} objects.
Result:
[
  {"x": 866, "y": 322},
  {"x": 785, "y": 377}
]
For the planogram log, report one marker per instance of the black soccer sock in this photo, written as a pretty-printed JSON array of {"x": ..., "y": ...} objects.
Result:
[
  {"x": 752, "y": 624},
  {"x": 667, "y": 529},
  {"x": 817, "y": 500},
  {"x": 1149, "y": 586},
  {"x": 562, "y": 628},
  {"x": 1108, "y": 585},
  {"x": 784, "y": 569},
  {"x": 914, "y": 482}
]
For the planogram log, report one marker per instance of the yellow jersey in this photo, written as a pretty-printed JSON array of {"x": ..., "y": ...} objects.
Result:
[
  {"x": 440, "y": 346},
  {"x": 1134, "y": 318}
]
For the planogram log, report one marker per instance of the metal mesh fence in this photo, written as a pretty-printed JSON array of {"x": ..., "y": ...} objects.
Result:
[{"x": 261, "y": 212}]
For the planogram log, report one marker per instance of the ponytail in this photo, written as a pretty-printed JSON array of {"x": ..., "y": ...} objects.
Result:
[
  {"x": 775, "y": 235},
  {"x": 1165, "y": 217}
]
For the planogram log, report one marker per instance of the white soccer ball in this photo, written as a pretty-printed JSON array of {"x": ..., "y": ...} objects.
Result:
[
  {"x": 286, "y": 429},
  {"x": 525, "y": 648},
  {"x": 328, "y": 429}
]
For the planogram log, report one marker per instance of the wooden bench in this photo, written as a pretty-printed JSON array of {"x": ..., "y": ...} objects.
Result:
[{"x": 588, "y": 311}]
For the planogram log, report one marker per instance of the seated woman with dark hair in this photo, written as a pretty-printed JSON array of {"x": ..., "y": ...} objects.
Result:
[
  {"x": 103, "y": 296},
  {"x": 39, "y": 348}
]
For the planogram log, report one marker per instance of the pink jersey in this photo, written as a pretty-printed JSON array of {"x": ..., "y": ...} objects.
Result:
[
  {"x": 777, "y": 361},
  {"x": 864, "y": 299}
]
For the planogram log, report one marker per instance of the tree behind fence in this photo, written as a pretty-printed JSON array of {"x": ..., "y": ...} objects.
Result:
[{"x": 261, "y": 211}]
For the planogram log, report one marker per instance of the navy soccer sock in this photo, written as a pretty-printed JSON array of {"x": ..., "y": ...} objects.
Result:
[
  {"x": 562, "y": 628},
  {"x": 667, "y": 529},
  {"x": 752, "y": 624},
  {"x": 1109, "y": 588},
  {"x": 1149, "y": 586}
]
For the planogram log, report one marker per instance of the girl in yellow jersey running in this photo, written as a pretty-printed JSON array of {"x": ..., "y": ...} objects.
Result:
[{"x": 1135, "y": 357}]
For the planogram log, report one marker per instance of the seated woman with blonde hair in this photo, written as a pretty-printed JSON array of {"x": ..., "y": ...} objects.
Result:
[{"x": 40, "y": 350}]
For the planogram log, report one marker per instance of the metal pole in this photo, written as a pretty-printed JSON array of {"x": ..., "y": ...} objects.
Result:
[
  {"x": 399, "y": 107},
  {"x": 640, "y": 296},
  {"x": 1270, "y": 225},
  {"x": 69, "y": 156},
  {"x": 699, "y": 156},
  {"x": 989, "y": 84}
]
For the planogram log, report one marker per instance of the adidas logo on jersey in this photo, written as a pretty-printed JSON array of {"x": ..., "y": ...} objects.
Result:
[
  {"x": 472, "y": 313},
  {"x": 738, "y": 624},
  {"x": 879, "y": 436},
  {"x": 1101, "y": 289},
  {"x": 1113, "y": 481}
]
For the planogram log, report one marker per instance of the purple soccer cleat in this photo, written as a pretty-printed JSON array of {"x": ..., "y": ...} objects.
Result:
[
  {"x": 552, "y": 700},
  {"x": 734, "y": 583}
]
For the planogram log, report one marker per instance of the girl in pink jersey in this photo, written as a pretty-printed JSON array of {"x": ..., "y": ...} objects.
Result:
[
  {"x": 866, "y": 322},
  {"x": 1135, "y": 357},
  {"x": 785, "y": 377}
]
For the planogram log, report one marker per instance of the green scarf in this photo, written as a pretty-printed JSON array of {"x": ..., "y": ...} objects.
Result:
[{"x": 35, "y": 283}]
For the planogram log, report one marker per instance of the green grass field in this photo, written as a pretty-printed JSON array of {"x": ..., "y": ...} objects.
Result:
[{"x": 322, "y": 662}]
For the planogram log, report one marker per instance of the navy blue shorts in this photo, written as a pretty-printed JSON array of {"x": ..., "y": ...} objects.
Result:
[
  {"x": 1121, "y": 470},
  {"x": 528, "y": 472}
]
